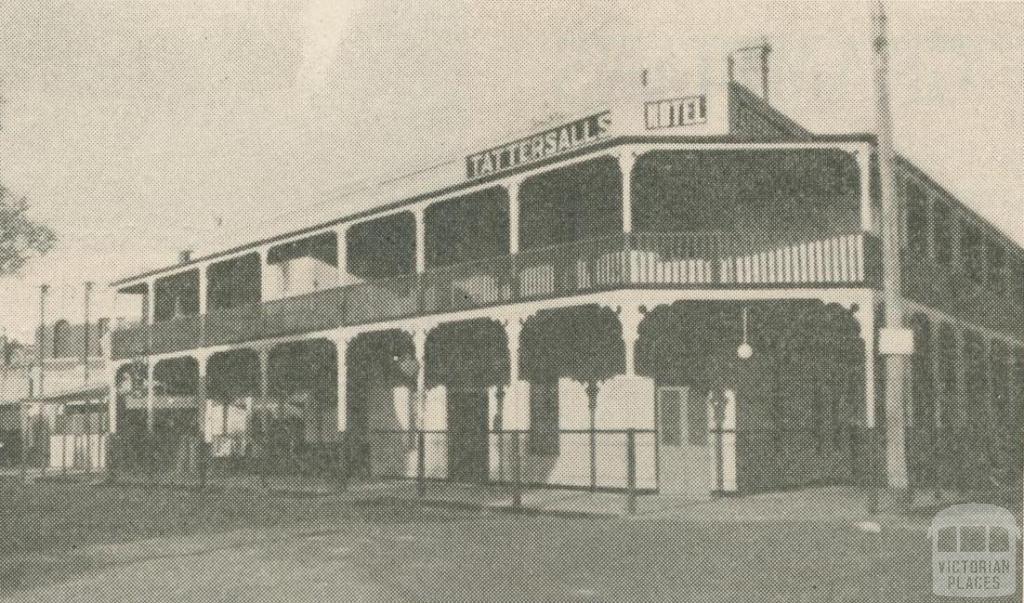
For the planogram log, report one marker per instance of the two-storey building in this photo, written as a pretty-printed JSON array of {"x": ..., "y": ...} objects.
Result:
[{"x": 698, "y": 269}]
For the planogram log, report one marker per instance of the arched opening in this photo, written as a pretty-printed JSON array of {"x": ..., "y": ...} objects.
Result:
[
  {"x": 380, "y": 400},
  {"x": 232, "y": 390},
  {"x": 62, "y": 340},
  {"x": 176, "y": 404},
  {"x": 470, "y": 360},
  {"x": 130, "y": 398},
  {"x": 568, "y": 355},
  {"x": 952, "y": 415}
]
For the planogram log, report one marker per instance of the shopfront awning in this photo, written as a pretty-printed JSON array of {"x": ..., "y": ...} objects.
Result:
[{"x": 88, "y": 394}]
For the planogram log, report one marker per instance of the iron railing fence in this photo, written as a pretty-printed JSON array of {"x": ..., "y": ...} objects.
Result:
[
  {"x": 701, "y": 259},
  {"x": 603, "y": 459}
]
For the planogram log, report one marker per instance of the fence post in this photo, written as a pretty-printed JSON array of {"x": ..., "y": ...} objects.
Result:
[
  {"x": 421, "y": 466},
  {"x": 517, "y": 474},
  {"x": 631, "y": 472},
  {"x": 201, "y": 453}
]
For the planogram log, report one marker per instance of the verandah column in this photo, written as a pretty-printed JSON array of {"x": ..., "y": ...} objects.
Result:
[
  {"x": 341, "y": 346},
  {"x": 513, "y": 216},
  {"x": 627, "y": 159},
  {"x": 516, "y": 395},
  {"x": 419, "y": 342},
  {"x": 149, "y": 394},
  {"x": 421, "y": 241}
]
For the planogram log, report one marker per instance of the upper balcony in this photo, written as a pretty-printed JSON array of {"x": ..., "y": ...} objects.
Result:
[{"x": 700, "y": 260}]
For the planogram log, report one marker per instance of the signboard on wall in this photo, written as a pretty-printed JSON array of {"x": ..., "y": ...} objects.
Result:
[
  {"x": 674, "y": 112},
  {"x": 564, "y": 138}
]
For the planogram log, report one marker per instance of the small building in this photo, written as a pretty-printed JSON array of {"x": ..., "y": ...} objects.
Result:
[{"x": 694, "y": 270}]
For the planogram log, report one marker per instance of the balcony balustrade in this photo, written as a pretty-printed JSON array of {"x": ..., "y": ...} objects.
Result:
[{"x": 650, "y": 260}]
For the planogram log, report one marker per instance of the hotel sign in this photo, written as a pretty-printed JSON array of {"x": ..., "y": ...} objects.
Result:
[
  {"x": 674, "y": 112},
  {"x": 564, "y": 138}
]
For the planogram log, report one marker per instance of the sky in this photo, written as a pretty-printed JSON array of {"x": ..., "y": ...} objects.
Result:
[{"x": 137, "y": 129}]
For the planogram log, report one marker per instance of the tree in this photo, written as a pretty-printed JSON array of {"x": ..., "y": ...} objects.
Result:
[{"x": 20, "y": 237}]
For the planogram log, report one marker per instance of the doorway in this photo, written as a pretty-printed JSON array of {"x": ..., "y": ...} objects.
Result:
[
  {"x": 683, "y": 443},
  {"x": 467, "y": 435}
]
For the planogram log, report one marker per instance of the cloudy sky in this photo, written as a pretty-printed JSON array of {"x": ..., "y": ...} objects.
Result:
[{"x": 137, "y": 129}]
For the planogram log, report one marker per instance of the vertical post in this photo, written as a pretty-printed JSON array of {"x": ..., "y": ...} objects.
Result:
[
  {"x": 626, "y": 162},
  {"x": 149, "y": 395},
  {"x": 517, "y": 473},
  {"x": 631, "y": 472},
  {"x": 23, "y": 411},
  {"x": 513, "y": 329},
  {"x": 341, "y": 346},
  {"x": 421, "y": 242},
  {"x": 419, "y": 340},
  {"x": 43, "y": 291},
  {"x": 64, "y": 452},
  {"x": 631, "y": 317},
  {"x": 766, "y": 50},
  {"x": 202, "y": 289},
  {"x": 259, "y": 438},
  {"x": 421, "y": 466},
  {"x": 592, "y": 390},
  {"x": 896, "y": 356},
  {"x": 342, "y": 235},
  {"x": 513, "y": 216},
  {"x": 202, "y": 448},
  {"x": 87, "y": 302}
]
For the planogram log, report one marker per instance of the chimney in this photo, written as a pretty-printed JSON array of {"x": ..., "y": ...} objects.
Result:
[
  {"x": 184, "y": 256},
  {"x": 763, "y": 50}
]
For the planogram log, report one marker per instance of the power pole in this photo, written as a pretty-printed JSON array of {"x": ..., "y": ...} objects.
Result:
[
  {"x": 88, "y": 331},
  {"x": 896, "y": 343}
]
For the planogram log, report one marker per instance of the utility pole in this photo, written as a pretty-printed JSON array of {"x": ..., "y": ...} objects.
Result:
[
  {"x": 88, "y": 331},
  {"x": 896, "y": 343}
]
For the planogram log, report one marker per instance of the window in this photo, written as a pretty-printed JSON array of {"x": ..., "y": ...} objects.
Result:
[
  {"x": 917, "y": 219},
  {"x": 950, "y": 409},
  {"x": 1017, "y": 280},
  {"x": 996, "y": 256},
  {"x": 998, "y": 540},
  {"x": 946, "y": 540},
  {"x": 62, "y": 340},
  {"x": 972, "y": 539},
  {"x": 1000, "y": 382},
  {"x": 943, "y": 233},
  {"x": 544, "y": 419},
  {"x": 972, "y": 244}
]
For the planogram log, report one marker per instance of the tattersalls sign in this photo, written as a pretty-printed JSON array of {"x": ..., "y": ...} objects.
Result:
[{"x": 567, "y": 137}]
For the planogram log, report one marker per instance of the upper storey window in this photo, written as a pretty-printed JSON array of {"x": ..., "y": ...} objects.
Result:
[
  {"x": 467, "y": 228},
  {"x": 917, "y": 219},
  {"x": 942, "y": 217},
  {"x": 234, "y": 282},
  {"x": 382, "y": 247},
  {"x": 747, "y": 190},
  {"x": 972, "y": 243},
  {"x": 580, "y": 201},
  {"x": 301, "y": 266},
  {"x": 996, "y": 255},
  {"x": 176, "y": 295}
]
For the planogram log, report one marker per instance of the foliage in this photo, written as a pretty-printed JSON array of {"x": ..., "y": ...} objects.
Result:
[{"x": 20, "y": 237}]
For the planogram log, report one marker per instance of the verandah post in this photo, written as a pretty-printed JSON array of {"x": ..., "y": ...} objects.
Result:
[
  {"x": 631, "y": 472},
  {"x": 421, "y": 469},
  {"x": 517, "y": 475}
]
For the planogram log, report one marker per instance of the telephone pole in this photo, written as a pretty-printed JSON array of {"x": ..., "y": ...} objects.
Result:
[{"x": 896, "y": 343}]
